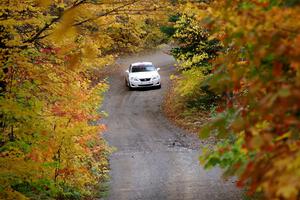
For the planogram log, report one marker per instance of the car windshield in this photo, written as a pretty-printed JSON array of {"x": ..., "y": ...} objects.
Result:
[{"x": 142, "y": 68}]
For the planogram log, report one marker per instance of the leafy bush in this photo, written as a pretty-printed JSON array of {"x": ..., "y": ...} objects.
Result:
[
  {"x": 196, "y": 47},
  {"x": 195, "y": 51},
  {"x": 259, "y": 72}
]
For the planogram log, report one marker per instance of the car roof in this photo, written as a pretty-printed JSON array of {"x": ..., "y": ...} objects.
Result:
[{"x": 141, "y": 63}]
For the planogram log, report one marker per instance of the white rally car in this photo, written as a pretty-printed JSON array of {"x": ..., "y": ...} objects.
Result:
[{"x": 142, "y": 74}]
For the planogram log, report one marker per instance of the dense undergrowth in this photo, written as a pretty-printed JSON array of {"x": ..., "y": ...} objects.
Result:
[
  {"x": 190, "y": 100},
  {"x": 249, "y": 87}
]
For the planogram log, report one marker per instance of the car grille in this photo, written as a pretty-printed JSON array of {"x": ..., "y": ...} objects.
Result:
[
  {"x": 146, "y": 85},
  {"x": 145, "y": 79}
]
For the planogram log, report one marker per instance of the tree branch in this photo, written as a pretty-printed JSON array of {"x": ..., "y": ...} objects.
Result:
[
  {"x": 54, "y": 20},
  {"x": 106, "y": 13}
]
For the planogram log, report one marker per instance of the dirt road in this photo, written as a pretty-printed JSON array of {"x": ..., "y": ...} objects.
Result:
[{"x": 154, "y": 159}]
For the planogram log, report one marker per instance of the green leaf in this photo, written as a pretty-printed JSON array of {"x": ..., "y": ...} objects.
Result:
[{"x": 204, "y": 132}]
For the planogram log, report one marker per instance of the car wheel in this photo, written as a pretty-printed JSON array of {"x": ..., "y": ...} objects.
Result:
[
  {"x": 158, "y": 87},
  {"x": 130, "y": 88},
  {"x": 128, "y": 85}
]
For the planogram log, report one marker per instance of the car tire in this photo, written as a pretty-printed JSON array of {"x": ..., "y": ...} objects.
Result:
[
  {"x": 128, "y": 85},
  {"x": 130, "y": 88},
  {"x": 158, "y": 87}
]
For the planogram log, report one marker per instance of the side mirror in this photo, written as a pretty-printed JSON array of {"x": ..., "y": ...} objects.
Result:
[
  {"x": 127, "y": 71},
  {"x": 157, "y": 69}
]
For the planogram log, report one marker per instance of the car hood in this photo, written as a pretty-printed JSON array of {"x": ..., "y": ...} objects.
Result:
[{"x": 143, "y": 74}]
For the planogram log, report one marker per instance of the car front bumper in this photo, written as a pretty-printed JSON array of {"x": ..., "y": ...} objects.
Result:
[{"x": 139, "y": 84}]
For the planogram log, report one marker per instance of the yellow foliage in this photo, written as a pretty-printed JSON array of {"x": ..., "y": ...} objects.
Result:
[{"x": 51, "y": 139}]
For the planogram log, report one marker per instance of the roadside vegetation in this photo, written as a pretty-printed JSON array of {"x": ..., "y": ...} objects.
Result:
[
  {"x": 238, "y": 81},
  {"x": 190, "y": 99},
  {"x": 50, "y": 142}
]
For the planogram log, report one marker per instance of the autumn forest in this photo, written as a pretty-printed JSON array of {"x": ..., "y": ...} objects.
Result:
[{"x": 238, "y": 75}]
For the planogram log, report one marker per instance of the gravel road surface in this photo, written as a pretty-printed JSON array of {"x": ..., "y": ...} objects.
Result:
[{"x": 154, "y": 159}]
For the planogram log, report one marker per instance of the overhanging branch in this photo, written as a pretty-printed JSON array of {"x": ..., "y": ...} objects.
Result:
[{"x": 106, "y": 13}]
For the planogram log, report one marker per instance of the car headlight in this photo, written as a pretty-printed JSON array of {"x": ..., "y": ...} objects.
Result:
[
  {"x": 134, "y": 79},
  {"x": 155, "y": 77}
]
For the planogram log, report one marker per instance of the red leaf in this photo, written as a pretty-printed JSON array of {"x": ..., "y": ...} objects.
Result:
[{"x": 277, "y": 69}]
